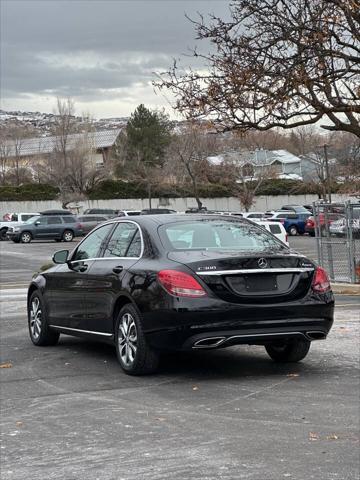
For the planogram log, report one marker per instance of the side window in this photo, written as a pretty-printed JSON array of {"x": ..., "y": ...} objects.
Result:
[
  {"x": 134, "y": 249},
  {"x": 90, "y": 247},
  {"x": 42, "y": 220},
  {"x": 121, "y": 240},
  {"x": 69, "y": 219},
  {"x": 54, "y": 220}
]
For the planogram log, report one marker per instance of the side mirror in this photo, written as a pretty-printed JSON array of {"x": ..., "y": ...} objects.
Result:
[
  {"x": 61, "y": 256},
  {"x": 37, "y": 223}
]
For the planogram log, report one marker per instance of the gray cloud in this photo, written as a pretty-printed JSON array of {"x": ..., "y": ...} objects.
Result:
[{"x": 90, "y": 49}]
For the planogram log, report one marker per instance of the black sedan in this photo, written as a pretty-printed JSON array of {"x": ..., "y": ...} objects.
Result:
[{"x": 174, "y": 282}]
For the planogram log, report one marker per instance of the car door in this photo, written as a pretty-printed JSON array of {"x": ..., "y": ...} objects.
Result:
[
  {"x": 40, "y": 228},
  {"x": 108, "y": 276},
  {"x": 66, "y": 286},
  {"x": 55, "y": 227}
]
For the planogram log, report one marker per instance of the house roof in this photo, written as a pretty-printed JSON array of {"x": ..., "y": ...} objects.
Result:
[
  {"x": 43, "y": 145},
  {"x": 257, "y": 158}
]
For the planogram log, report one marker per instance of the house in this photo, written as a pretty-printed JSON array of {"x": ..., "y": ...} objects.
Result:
[
  {"x": 275, "y": 163},
  {"x": 32, "y": 150}
]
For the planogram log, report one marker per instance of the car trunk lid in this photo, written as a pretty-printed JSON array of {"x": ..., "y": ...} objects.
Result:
[{"x": 250, "y": 278}]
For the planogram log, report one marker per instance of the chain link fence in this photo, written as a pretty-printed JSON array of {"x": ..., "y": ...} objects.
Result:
[{"x": 337, "y": 232}]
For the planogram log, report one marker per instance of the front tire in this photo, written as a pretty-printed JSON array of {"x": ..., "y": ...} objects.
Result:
[
  {"x": 135, "y": 356},
  {"x": 40, "y": 333},
  {"x": 293, "y": 351},
  {"x": 3, "y": 234},
  {"x": 25, "y": 237},
  {"x": 68, "y": 236}
]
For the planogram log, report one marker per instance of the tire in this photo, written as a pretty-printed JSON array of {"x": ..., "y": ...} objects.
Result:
[
  {"x": 312, "y": 234},
  {"x": 68, "y": 236},
  {"x": 3, "y": 234},
  {"x": 293, "y": 231},
  {"x": 25, "y": 237},
  {"x": 293, "y": 351},
  {"x": 40, "y": 333},
  {"x": 135, "y": 356}
]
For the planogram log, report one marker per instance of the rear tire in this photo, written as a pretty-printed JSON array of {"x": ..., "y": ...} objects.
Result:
[
  {"x": 293, "y": 351},
  {"x": 68, "y": 236},
  {"x": 293, "y": 231},
  {"x": 25, "y": 237},
  {"x": 40, "y": 333},
  {"x": 135, "y": 356}
]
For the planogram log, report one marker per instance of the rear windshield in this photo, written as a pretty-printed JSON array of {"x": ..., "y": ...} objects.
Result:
[{"x": 217, "y": 235}]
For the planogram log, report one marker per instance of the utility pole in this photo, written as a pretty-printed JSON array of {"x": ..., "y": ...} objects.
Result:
[{"x": 327, "y": 172}]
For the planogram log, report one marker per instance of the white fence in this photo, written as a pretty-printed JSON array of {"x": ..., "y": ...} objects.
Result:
[{"x": 180, "y": 204}]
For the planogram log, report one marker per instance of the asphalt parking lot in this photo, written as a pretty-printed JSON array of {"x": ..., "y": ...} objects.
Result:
[{"x": 68, "y": 412}]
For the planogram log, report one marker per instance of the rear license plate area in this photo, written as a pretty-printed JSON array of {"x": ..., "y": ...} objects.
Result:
[{"x": 263, "y": 283}]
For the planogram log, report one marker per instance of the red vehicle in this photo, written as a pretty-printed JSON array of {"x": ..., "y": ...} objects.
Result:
[{"x": 310, "y": 224}]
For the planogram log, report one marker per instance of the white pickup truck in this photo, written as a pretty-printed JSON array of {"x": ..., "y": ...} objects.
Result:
[{"x": 15, "y": 220}]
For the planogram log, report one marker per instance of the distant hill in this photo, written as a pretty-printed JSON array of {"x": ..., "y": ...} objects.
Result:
[{"x": 41, "y": 123}]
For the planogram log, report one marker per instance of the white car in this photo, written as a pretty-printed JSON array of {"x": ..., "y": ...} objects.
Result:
[
  {"x": 128, "y": 213},
  {"x": 15, "y": 219},
  {"x": 253, "y": 215},
  {"x": 276, "y": 228}
]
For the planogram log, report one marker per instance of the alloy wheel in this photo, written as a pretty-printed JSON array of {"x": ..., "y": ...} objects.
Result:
[
  {"x": 68, "y": 236},
  {"x": 26, "y": 238},
  {"x": 127, "y": 339},
  {"x": 35, "y": 318}
]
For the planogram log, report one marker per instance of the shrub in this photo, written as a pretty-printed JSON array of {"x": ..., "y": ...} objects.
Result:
[{"x": 30, "y": 191}]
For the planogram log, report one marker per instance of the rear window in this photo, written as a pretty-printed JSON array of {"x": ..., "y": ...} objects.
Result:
[
  {"x": 220, "y": 235},
  {"x": 275, "y": 228}
]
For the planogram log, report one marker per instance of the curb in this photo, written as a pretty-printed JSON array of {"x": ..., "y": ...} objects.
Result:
[{"x": 346, "y": 288}]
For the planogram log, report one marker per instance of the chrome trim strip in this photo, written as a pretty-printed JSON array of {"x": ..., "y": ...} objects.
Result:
[
  {"x": 275, "y": 334},
  {"x": 81, "y": 331},
  {"x": 226, "y": 339},
  {"x": 256, "y": 270}
]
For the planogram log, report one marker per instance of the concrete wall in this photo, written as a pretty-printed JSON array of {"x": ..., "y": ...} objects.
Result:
[{"x": 180, "y": 204}]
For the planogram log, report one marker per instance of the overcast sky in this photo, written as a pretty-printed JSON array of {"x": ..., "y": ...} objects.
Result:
[{"x": 101, "y": 53}]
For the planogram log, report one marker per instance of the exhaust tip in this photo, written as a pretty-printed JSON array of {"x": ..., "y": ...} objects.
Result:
[
  {"x": 210, "y": 342},
  {"x": 316, "y": 335}
]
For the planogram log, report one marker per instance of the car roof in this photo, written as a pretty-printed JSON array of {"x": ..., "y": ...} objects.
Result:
[{"x": 167, "y": 218}]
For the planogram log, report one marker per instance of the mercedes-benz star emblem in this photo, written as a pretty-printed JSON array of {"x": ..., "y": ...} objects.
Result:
[{"x": 262, "y": 263}]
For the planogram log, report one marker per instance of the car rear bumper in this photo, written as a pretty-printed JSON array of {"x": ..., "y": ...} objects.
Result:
[{"x": 183, "y": 330}]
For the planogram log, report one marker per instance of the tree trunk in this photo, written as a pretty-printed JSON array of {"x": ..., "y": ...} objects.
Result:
[{"x": 149, "y": 194}]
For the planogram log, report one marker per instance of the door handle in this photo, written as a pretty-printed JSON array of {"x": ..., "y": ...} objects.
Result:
[{"x": 118, "y": 269}]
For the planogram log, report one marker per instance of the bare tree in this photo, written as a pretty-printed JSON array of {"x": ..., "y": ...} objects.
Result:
[
  {"x": 190, "y": 149},
  {"x": 71, "y": 165},
  {"x": 14, "y": 162},
  {"x": 275, "y": 63}
]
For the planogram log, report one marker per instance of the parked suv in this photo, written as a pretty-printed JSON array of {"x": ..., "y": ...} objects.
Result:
[
  {"x": 88, "y": 222},
  {"x": 294, "y": 223},
  {"x": 46, "y": 227},
  {"x": 109, "y": 212}
]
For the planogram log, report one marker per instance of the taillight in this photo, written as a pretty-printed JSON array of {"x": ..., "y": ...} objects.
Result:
[
  {"x": 79, "y": 225},
  {"x": 180, "y": 284},
  {"x": 321, "y": 282}
]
